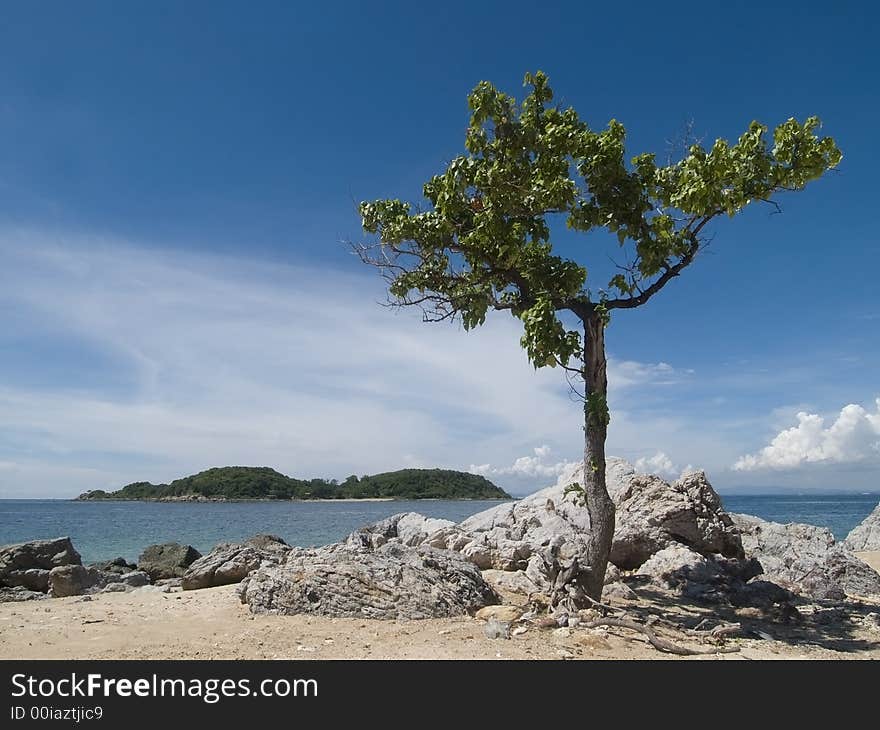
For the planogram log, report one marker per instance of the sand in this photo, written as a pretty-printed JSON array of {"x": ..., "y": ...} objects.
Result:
[{"x": 211, "y": 623}]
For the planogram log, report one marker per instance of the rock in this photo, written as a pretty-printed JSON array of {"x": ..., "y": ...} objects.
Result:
[
  {"x": 760, "y": 594},
  {"x": 33, "y": 579},
  {"x": 562, "y": 633},
  {"x": 393, "y": 581},
  {"x": 117, "y": 565},
  {"x": 496, "y": 629},
  {"x": 620, "y": 591},
  {"x": 594, "y": 639},
  {"x": 19, "y": 593},
  {"x": 866, "y": 535},
  {"x": 231, "y": 562},
  {"x": 514, "y": 581},
  {"x": 72, "y": 580},
  {"x": 168, "y": 560},
  {"x": 676, "y": 566},
  {"x": 612, "y": 574},
  {"x": 653, "y": 514},
  {"x": 77, "y": 580},
  {"x": 410, "y": 528},
  {"x": 267, "y": 542},
  {"x": 17, "y": 562},
  {"x": 127, "y": 581},
  {"x": 805, "y": 559},
  {"x": 710, "y": 579},
  {"x": 547, "y": 530},
  {"x": 508, "y": 614}
]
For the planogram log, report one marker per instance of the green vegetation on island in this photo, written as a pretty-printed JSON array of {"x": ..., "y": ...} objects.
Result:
[{"x": 246, "y": 482}]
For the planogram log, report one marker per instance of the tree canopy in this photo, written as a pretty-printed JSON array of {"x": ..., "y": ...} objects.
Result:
[
  {"x": 484, "y": 240},
  {"x": 246, "y": 482}
]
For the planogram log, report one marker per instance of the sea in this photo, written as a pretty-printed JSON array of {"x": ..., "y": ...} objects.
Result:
[{"x": 106, "y": 530}]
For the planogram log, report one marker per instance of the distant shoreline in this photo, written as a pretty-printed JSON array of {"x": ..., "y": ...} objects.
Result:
[{"x": 207, "y": 500}]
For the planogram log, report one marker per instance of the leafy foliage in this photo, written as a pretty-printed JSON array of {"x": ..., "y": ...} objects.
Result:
[
  {"x": 483, "y": 242},
  {"x": 244, "y": 482}
]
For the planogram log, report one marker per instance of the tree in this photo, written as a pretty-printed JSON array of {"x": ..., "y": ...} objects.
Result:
[{"x": 484, "y": 242}]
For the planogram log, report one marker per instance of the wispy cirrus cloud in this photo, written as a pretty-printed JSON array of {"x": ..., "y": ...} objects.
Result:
[{"x": 129, "y": 362}]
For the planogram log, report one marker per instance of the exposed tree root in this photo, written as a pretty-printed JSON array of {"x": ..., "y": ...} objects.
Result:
[{"x": 655, "y": 641}]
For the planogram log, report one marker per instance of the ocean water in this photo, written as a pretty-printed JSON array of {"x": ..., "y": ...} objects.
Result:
[
  {"x": 105, "y": 530},
  {"x": 839, "y": 512}
]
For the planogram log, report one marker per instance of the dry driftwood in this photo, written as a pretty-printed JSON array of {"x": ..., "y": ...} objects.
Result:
[{"x": 655, "y": 641}]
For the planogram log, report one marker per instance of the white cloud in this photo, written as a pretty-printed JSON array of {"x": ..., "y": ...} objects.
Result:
[
  {"x": 539, "y": 465},
  {"x": 628, "y": 373},
  {"x": 172, "y": 361},
  {"x": 659, "y": 464},
  {"x": 853, "y": 437}
]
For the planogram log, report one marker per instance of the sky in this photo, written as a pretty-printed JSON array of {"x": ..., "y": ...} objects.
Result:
[{"x": 178, "y": 181}]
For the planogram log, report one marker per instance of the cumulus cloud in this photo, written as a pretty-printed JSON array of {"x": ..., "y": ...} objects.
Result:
[
  {"x": 659, "y": 464},
  {"x": 852, "y": 437},
  {"x": 540, "y": 464}
]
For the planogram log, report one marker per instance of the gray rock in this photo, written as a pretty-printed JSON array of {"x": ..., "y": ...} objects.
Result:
[
  {"x": 496, "y": 629},
  {"x": 620, "y": 591},
  {"x": 117, "y": 565},
  {"x": 677, "y": 566},
  {"x": 267, "y": 542},
  {"x": 653, "y": 515},
  {"x": 19, "y": 593},
  {"x": 77, "y": 580},
  {"x": 549, "y": 525},
  {"x": 129, "y": 580},
  {"x": 515, "y": 581},
  {"x": 72, "y": 580},
  {"x": 231, "y": 562},
  {"x": 41, "y": 555},
  {"x": 866, "y": 535},
  {"x": 805, "y": 559},
  {"x": 393, "y": 581},
  {"x": 410, "y": 528},
  {"x": 33, "y": 579},
  {"x": 168, "y": 560}
]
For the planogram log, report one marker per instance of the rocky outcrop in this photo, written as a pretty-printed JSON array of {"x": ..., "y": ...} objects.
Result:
[
  {"x": 392, "y": 581},
  {"x": 53, "y": 568},
  {"x": 26, "y": 565},
  {"x": 20, "y": 594},
  {"x": 653, "y": 514},
  {"x": 77, "y": 580},
  {"x": 232, "y": 562},
  {"x": 42, "y": 555},
  {"x": 806, "y": 559},
  {"x": 410, "y": 528},
  {"x": 551, "y": 527},
  {"x": 168, "y": 560},
  {"x": 865, "y": 536}
]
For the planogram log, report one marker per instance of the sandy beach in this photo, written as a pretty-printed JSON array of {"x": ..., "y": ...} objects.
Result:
[{"x": 212, "y": 624}]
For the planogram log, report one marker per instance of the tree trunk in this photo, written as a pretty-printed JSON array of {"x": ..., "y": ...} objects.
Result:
[{"x": 599, "y": 504}]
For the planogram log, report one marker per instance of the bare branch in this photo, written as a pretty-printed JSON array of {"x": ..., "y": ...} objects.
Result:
[{"x": 654, "y": 640}]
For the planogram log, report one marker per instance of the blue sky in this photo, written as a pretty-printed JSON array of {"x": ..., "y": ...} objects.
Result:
[{"x": 176, "y": 178}]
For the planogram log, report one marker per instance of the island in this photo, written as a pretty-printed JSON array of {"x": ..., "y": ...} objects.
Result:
[{"x": 240, "y": 483}]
